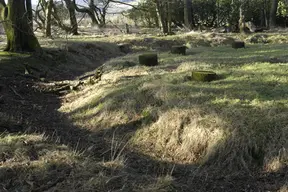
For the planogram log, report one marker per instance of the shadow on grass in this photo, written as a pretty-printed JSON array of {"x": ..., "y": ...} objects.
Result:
[
  {"x": 38, "y": 112},
  {"x": 211, "y": 98},
  {"x": 266, "y": 91}
]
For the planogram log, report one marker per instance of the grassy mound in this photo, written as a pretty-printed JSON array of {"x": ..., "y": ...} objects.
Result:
[
  {"x": 69, "y": 59},
  {"x": 221, "y": 126}
]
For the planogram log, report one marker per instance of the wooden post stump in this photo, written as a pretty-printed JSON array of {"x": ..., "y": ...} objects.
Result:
[
  {"x": 238, "y": 44},
  {"x": 205, "y": 76},
  {"x": 178, "y": 49},
  {"x": 148, "y": 59},
  {"x": 127, "y": 28}
]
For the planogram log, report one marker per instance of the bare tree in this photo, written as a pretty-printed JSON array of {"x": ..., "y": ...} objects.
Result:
[
  {"x": 73, "y": 20},
  {"x": 47, "y": 13},
  {"x": 96, "y": 11}
]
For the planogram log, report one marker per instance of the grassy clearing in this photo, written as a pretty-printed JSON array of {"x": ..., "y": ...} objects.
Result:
[
  {"x": 232, "y": 125},
  {"x": 143, "y": 121}
]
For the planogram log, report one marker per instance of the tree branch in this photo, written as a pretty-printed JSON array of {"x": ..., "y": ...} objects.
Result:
[
  {"x": 123, "y": 3},
  {"x": 81, "y": 10}
]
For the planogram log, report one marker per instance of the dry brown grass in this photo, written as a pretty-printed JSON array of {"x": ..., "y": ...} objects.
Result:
[
  {"x": 33, "y": 162},
  {"x": 237, "y": 124},
  {"x": 221, "y": 125},
  {"x": 284, "y": 188}
]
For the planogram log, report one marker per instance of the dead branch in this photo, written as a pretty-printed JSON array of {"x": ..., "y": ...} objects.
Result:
[{"x": 128, "y": 4}]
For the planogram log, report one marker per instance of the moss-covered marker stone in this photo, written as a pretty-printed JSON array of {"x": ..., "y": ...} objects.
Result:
[
  {"x": 178, "y": 49},
  {"x": 238, "y": 44},
  {"x": 148, "y": 59},
  {"x": 205, "y": 76}
]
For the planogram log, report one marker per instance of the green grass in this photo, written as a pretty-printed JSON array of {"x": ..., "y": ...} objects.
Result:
[{"x": 237, "y": 123}]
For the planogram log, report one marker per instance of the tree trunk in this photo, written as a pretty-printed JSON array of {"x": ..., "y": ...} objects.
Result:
[
  {"x": 273, "y": 12},
  {"x": 162, "y": 15},
  {"x": 48, "y": 13},
  {"x": 264, "y": 22},
  {"x": 155, "y": 17},
  {"x": 88, "y": 11},
  {"x": 73, "y": 19},
  {"x": 29, "y": 12},
  {"x": 156, "y": 20},
  {"x": 241, "y": 19},
  {"x": 218, "y": 19},
  {"x": 20, "y": 36},
  {"x": 188, "y": 16},
  {"x": 95, "y": 18},
  {"x": 158, "y": 15},
  {"x": 169, "y": 16}
]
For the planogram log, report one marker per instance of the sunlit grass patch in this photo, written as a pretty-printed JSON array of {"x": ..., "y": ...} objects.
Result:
[{"x": 233, "y": 124}]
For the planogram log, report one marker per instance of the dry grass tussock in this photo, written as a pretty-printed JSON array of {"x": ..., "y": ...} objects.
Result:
[
  {"x": 235, "y": 124},
  {"x": 36, "y": 162}
]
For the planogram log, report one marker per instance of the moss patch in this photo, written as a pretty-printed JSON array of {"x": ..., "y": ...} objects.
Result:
[{"x": 204, "y": 75}]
